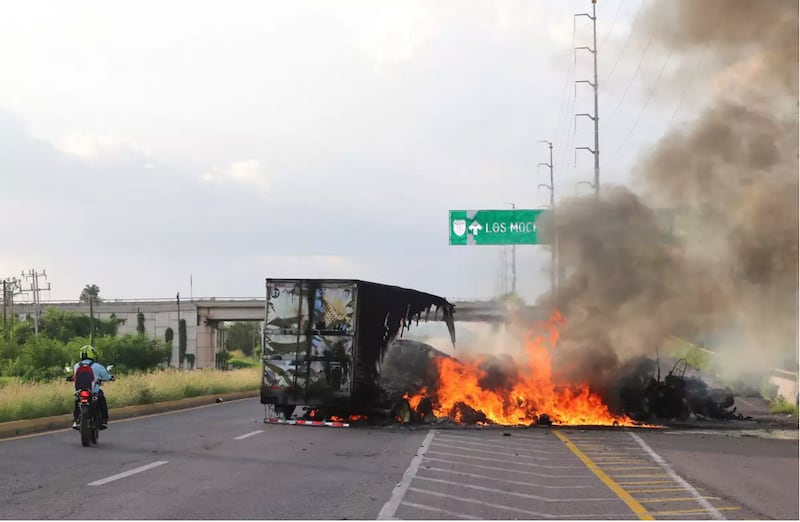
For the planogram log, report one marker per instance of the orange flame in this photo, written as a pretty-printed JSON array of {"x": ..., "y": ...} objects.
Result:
[{"x": 533, "y": 393}]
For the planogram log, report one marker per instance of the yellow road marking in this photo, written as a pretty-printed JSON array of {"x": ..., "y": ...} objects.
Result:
[
  {"x": 680, "y": 499},
  {"x": 629, "y": 458},
  {"x": 638, "y": 509},
  {"x": 658, "y": 490},
  {"x": 621, "y": 462},
  {"x": 630, "y": 468},
  {"x": 638, "y": 483},
  {"x": 684, "y": 511},
  {"x": 642, "y": 476},
  {"x": 609, "y": 455}
]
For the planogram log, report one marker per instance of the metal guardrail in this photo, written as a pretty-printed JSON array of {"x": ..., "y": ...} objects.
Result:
[
  {"x": 150, "y": 300},
  {"x": 196, "y": 299}
]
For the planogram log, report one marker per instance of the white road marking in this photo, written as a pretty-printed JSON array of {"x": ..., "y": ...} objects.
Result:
[
  {"x": 438, "y": 510},
  {"x": 240, "y": 437},
  {"x": 515, "y": 462},
  {"x": 477, "y": 450},
  {"x": 535, "y": 514},
  {"x": 514, "y": 493},
  {"x": 677, "y": 478},
  {"x": 507, "y": 470},
  {"x": 521, "y": 483},
  {"x": 128, "y": 473},
  {"x": 390, "y": 508},
  {"x": 495, "y": 445}
]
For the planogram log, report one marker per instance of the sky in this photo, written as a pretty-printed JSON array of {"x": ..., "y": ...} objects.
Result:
[{"x": 142, "y": 143}]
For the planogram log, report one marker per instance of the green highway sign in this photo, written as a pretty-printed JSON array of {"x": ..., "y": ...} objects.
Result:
[{"x": 495, "y": 227}]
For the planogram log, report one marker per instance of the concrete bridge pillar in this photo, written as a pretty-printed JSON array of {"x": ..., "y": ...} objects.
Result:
[{"x": 206, "y": 342}]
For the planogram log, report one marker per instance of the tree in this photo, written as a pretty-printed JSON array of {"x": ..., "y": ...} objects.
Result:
[
  {"x": 169, "y": 334},
  {"x": 88, "y": 291},
  {"x": 140, "y": 323},
  {"x": 181, "y": 342},
  {"x": 244, "y": 336}
]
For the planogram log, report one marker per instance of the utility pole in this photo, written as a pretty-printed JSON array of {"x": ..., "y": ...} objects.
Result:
[
  {"x": 554, "y": 239},
  {"x": 178, "y": 297},
  {"x": 91, "y": 319},
  {"x": 34, "y": 276},
  {"x": 596, "y": 87},
  {"x": 5, "y": 301}
]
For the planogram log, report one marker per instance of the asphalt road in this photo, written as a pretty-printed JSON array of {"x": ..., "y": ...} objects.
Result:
[{"x": 223, "y": 462}]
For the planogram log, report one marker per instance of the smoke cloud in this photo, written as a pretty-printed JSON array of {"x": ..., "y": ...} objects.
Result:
[{"x": 725, "y": 269}]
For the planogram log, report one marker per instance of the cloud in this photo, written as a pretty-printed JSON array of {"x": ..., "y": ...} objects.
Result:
[
  {"x": 248, "y": 172},
  {"x": 92, "y": 146},
  {"x": 378, "y": 118}
]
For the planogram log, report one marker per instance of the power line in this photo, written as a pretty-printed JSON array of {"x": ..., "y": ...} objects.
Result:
[
  {"x": 611, "y": 27},
  {"x": 647, "y": 102},
  {"x": 568, "y": 141},
  {"x": 570, "y": 72},
  {"x": 696, "y": 68},
  {"x": 630, "y": 83},
  {"x": 625, "y": 45}
]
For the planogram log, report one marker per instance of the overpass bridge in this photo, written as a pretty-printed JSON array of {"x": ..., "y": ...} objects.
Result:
[{"x": 204, "y": 315}]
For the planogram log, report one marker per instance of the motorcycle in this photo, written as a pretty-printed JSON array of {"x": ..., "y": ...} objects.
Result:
[{"x": 89, "y": 418}]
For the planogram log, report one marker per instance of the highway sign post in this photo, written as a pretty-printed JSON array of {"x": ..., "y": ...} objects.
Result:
[{"x": 496, "y": 227}]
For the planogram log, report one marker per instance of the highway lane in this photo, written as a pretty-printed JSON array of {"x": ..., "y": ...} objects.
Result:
[
  {"x": 280, "y": 472},
  {"x": 760, "y": 473},
  {"x": 222, "y": 461}
]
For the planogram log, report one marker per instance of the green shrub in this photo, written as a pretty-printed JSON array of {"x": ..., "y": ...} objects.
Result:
[
  {"x": 781, "y": 405},
  {"x": 236, "y": 363}
]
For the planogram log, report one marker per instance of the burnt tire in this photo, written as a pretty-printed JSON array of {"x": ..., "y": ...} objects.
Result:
[{"x": 86, "y": 435}]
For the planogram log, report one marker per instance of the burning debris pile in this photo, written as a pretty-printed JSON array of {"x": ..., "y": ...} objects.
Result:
[
  {"x": 428, "y": 386},
  {"x": 497, "y": 389},
  {"x": 644, "y": 395}
]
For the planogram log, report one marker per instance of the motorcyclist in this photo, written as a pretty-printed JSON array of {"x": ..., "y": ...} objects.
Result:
[{"x": 88, "y": 357}]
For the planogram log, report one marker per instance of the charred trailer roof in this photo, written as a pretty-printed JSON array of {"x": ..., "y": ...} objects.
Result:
[{"x": 383, "y": 313}]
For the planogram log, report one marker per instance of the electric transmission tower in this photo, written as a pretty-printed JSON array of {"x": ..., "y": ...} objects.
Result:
[
  {"x": 554, "y": 239},
  {"x": 596, "y": 116}
]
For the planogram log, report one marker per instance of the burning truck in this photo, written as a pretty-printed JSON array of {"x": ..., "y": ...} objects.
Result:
[{"x": 333, "y": 346}]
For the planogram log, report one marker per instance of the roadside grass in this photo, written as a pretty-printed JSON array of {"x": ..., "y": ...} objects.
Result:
[
  {"x": 20, "y": 401},
  {"x": 7, "y": 380},
  {"x": 781, "y": 405}
]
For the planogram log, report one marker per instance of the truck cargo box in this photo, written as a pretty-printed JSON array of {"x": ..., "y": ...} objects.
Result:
[{"x": 324, "y": 338}]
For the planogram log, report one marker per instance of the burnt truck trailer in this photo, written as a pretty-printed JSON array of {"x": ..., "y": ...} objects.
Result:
[{"x": 324, "y": 340}]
